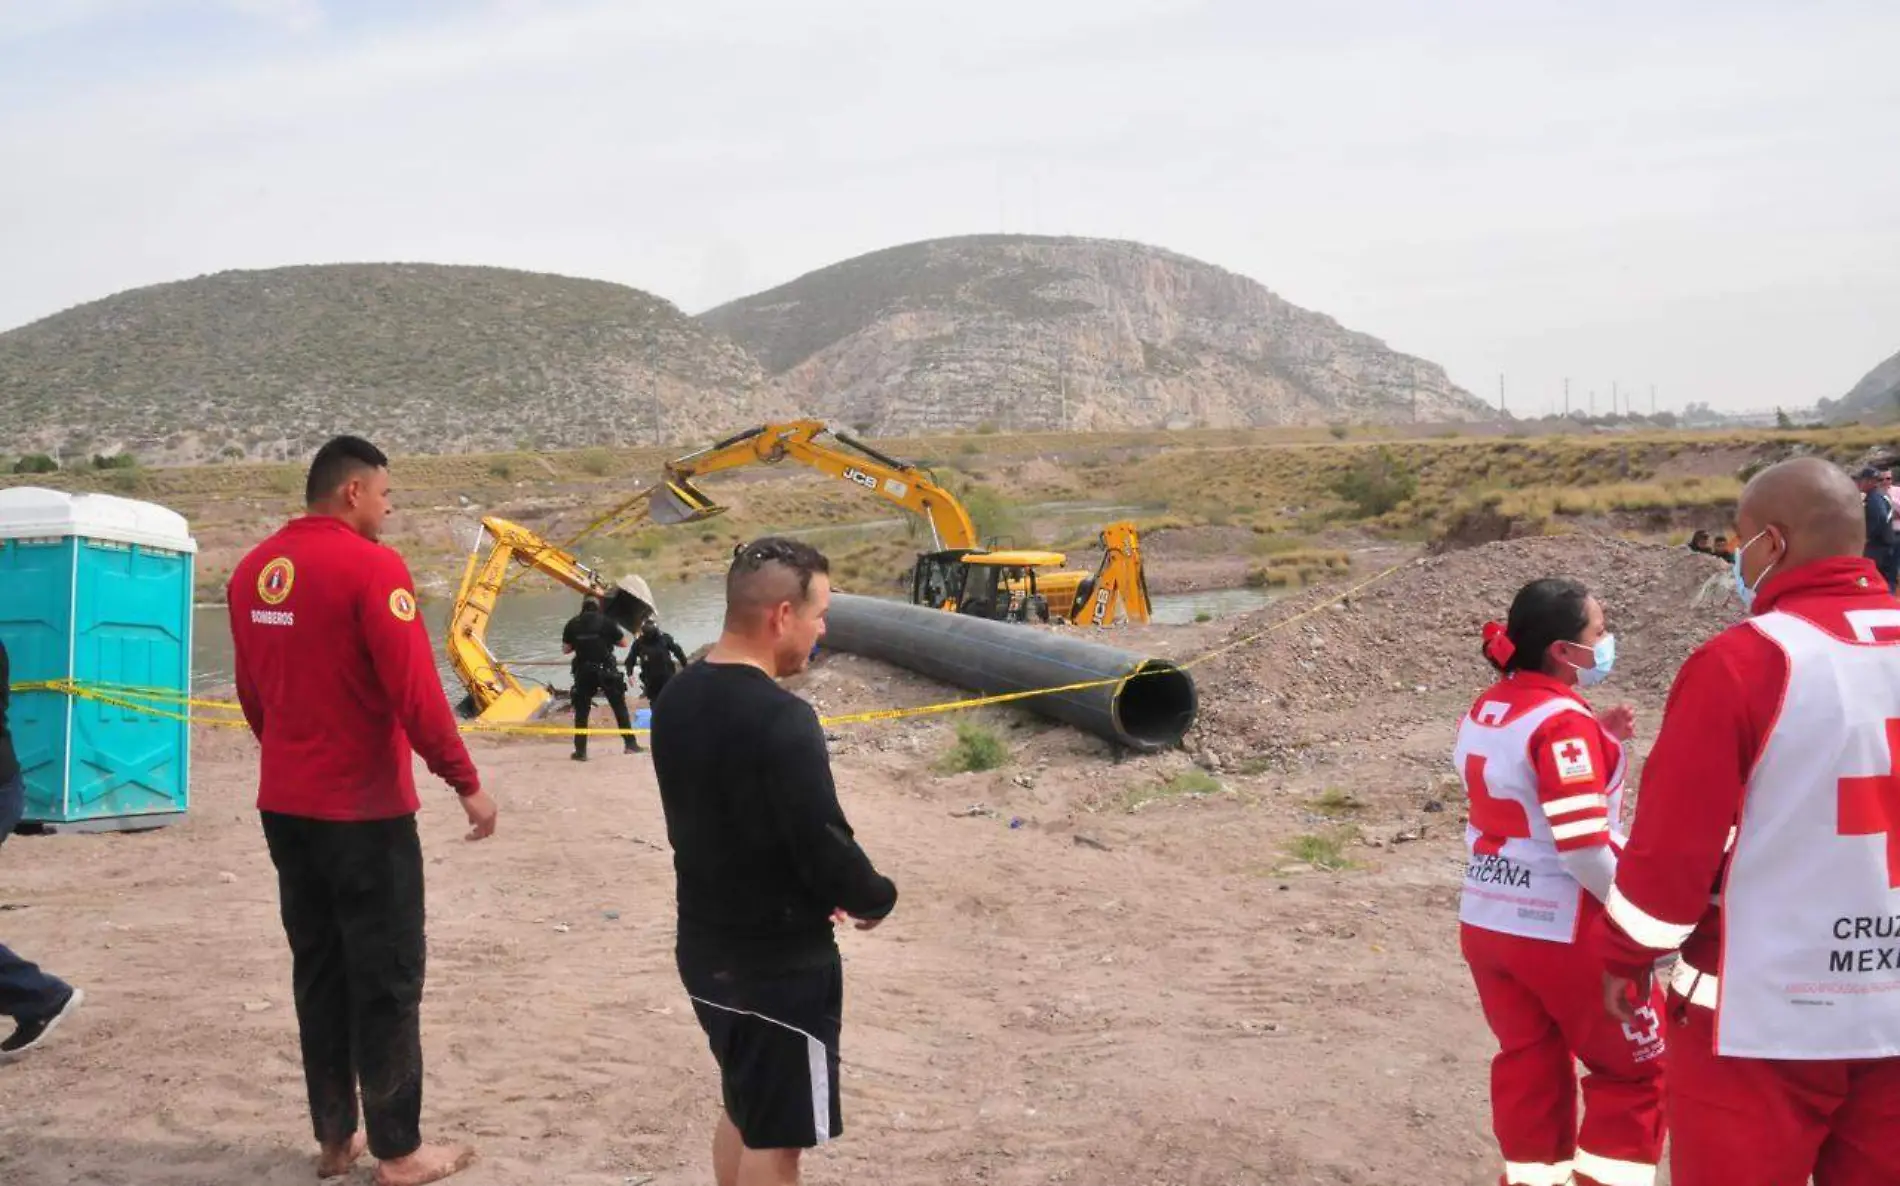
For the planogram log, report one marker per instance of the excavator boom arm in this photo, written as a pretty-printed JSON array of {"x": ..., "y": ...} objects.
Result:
[
  {"x": 678, "y": 500},
  {"x": 494, "y": 692}
]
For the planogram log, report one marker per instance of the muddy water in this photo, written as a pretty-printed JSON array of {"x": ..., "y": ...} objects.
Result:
[{"x": 527, "y": 627}]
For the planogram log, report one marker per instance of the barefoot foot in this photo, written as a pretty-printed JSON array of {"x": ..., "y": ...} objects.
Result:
[
  {"x": 430, "y": 1163},
  {"x": 335, "y": 1160}
]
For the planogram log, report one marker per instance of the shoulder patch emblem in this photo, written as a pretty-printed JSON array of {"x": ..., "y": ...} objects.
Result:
[
  {"x": 1573, "y": 761},
  {"x": 274, "y": 582},
  {"x": 402, "y": 605}
]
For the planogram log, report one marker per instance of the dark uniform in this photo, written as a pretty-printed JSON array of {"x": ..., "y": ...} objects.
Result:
[
  {"x": 592, "y": 636},
  {"x": 658, "y": 657},
  {"x": 35, "y": 1000}
]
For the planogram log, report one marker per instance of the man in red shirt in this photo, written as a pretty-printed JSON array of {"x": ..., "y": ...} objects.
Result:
[
  {"x": 337, "y": 681},
  {"x": 1767, "y": 850}
]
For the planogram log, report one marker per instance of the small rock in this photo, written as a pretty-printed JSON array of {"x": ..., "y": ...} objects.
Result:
[
  {"x": 1024, "y": 781},
  {"x": 1084, "y": 840},
  {"x": 228, "y": 877},
  {"x": 256, "y": 1006},
  {"x": 562, "y": 928},
  {"x": 1434, "y": 806},
  {"x": 610, "y": 915}
]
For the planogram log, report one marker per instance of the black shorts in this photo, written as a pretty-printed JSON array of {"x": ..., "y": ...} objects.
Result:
[{"x": 775, "y": 1038}]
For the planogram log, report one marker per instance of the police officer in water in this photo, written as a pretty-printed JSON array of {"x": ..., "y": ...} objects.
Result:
[
  {"x": 658, "y": 657},
  {"x": 591, "y": 636}
]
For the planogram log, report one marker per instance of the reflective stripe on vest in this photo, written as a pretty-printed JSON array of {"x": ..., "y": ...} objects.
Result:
[
  {"x": 1537, "y": 1173},
  {"x": 1810, "y": 961}
]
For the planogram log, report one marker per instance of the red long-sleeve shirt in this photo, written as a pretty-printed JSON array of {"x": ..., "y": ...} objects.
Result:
[
  {"x": 1717, "y": 720},
  {"x": 336, "y": 676}
]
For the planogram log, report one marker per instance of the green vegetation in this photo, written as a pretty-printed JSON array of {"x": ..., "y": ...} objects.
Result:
[
  {"x": 1192, "y": 782},
  {"x": 977, "y": 749},
  {"x": 36, "y": 463},
  {"x": 1377, "y": 484},
  {"x": 1325, "y": 850},
  {"x": 1334, "y": 803}
]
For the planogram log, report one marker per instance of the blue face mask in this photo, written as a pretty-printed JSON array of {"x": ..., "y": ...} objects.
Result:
[
  {"x": 1743, "y": 589},
  {"x": 1605, "y": 653}
]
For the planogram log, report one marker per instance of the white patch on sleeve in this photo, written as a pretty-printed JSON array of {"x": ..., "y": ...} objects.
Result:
[{"x": 1573, "y": 760}]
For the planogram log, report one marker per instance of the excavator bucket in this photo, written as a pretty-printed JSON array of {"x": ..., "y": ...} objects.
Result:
[
  {"x": 630, "y": 603},
  {"x": 677, "y": 500}
]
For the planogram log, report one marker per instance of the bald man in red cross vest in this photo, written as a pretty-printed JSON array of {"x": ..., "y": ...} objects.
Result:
[{"x": 1766, "y": 850}]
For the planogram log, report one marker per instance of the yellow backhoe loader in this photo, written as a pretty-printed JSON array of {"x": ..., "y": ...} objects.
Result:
[
  {"x": 958, "y": 575},
  {"x": 495, "y": 696}
]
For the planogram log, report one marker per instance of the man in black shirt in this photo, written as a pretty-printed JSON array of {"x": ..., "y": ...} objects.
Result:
[
  {"x": 34, "y": 1000},
  {"x": 591, "y": 636},
  {"x": 766, "y": 866},
  {"x": 658, "y": 657}
]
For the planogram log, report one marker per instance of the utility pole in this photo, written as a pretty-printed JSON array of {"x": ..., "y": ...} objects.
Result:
[
  {"x": 1501, "y": 412},
  {"x": 1566, "y": 399},
  {"x": 1062, "y": 384},
  {"x": 1613, "y": 394}
]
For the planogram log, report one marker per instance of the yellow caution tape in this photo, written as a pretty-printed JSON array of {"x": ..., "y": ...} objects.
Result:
[{"x": 165, "y": 702}]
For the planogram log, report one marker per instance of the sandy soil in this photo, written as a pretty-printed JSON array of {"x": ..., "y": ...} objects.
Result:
[{"x": 1094, "y": 975}]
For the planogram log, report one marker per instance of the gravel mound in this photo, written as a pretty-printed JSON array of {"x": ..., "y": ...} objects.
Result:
[{"x": 1405, "y": 652}]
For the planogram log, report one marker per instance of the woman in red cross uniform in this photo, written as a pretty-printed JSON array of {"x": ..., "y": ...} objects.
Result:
[{"x": 1543, "y": 772}]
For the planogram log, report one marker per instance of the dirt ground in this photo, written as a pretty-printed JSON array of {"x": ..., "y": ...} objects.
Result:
[{"x": 1099, "y": 971}]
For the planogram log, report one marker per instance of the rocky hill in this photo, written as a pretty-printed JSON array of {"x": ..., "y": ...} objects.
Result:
[
  {"x": 1875, "y": 398},
  {"x": 1026, "y": 332},
  {"x": 420, "y": 358}
]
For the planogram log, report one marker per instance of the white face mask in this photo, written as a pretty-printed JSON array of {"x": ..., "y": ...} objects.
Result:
[
  {"x": 1743, "y": 589},
  {"x": 1605, "y": 654}
]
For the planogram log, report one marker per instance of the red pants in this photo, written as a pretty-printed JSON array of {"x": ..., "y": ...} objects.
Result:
[
  {"x": 1544, "y": 1001},
  {"x": 1762, "y": 1122}
]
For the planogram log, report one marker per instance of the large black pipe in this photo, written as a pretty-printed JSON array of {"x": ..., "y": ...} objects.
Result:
[{"x": 1150, "y": 706}]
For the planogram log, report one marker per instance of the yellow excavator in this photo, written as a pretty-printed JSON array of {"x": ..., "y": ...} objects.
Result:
[
  {"x": 958, "y": 574},
  {"x": 495, "y": 696}
]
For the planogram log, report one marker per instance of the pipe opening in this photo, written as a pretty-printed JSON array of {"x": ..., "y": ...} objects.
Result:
[{"x": 1155, "y": 707}]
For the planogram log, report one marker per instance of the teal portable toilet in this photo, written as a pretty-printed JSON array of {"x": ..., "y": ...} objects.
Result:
[{"x": 97, "y": 589}]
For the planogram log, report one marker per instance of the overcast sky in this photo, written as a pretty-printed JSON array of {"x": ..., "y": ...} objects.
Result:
[{"x": 1703, "y": 196}]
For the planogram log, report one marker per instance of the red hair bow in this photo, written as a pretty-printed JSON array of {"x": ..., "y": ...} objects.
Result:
[{"x": 1498, "y": 646}]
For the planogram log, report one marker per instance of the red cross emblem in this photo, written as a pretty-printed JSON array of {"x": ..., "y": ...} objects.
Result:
[
  {"x": 1870, "y": 805},
  {"x": 1572, "y": 752}
]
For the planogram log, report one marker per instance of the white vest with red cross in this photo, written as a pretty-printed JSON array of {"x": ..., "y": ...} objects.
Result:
[
  {"x": 1515, "y": 880},
  {"x": 1811, "y": 903}
]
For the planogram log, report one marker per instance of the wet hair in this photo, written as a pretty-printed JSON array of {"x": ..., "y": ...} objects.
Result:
[
  {"x": 340, "y": 459},
  {"x": 1700, "y": 535},
  {"x": 1551, "y": 610},
  {"x": 768, "y": 571}
]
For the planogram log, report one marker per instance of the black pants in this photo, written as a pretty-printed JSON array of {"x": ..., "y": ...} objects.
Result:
[
  {"x": 652, "y": 687},
  {"x": 26, "y": 993},
  {"x": 351, "y": 899},
  {"x": 590, "y": 681}
]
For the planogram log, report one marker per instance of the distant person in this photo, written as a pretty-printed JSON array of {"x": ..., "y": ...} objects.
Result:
[
  {"x": 1767, "y": 852},
  {"x": 766, "y": 866},
  {"x": 1699, "y": 542},
  {"x": 337, "y": 681},
  {"x": 1544, "y": 774},
  {"x": 591, "y": 637},
  {"x": 658, "y": 657},
  {"x": 37, "y": 1002},
  {"x": 1877, "y": 519},
  {"x": 1722, "y": 549}
]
